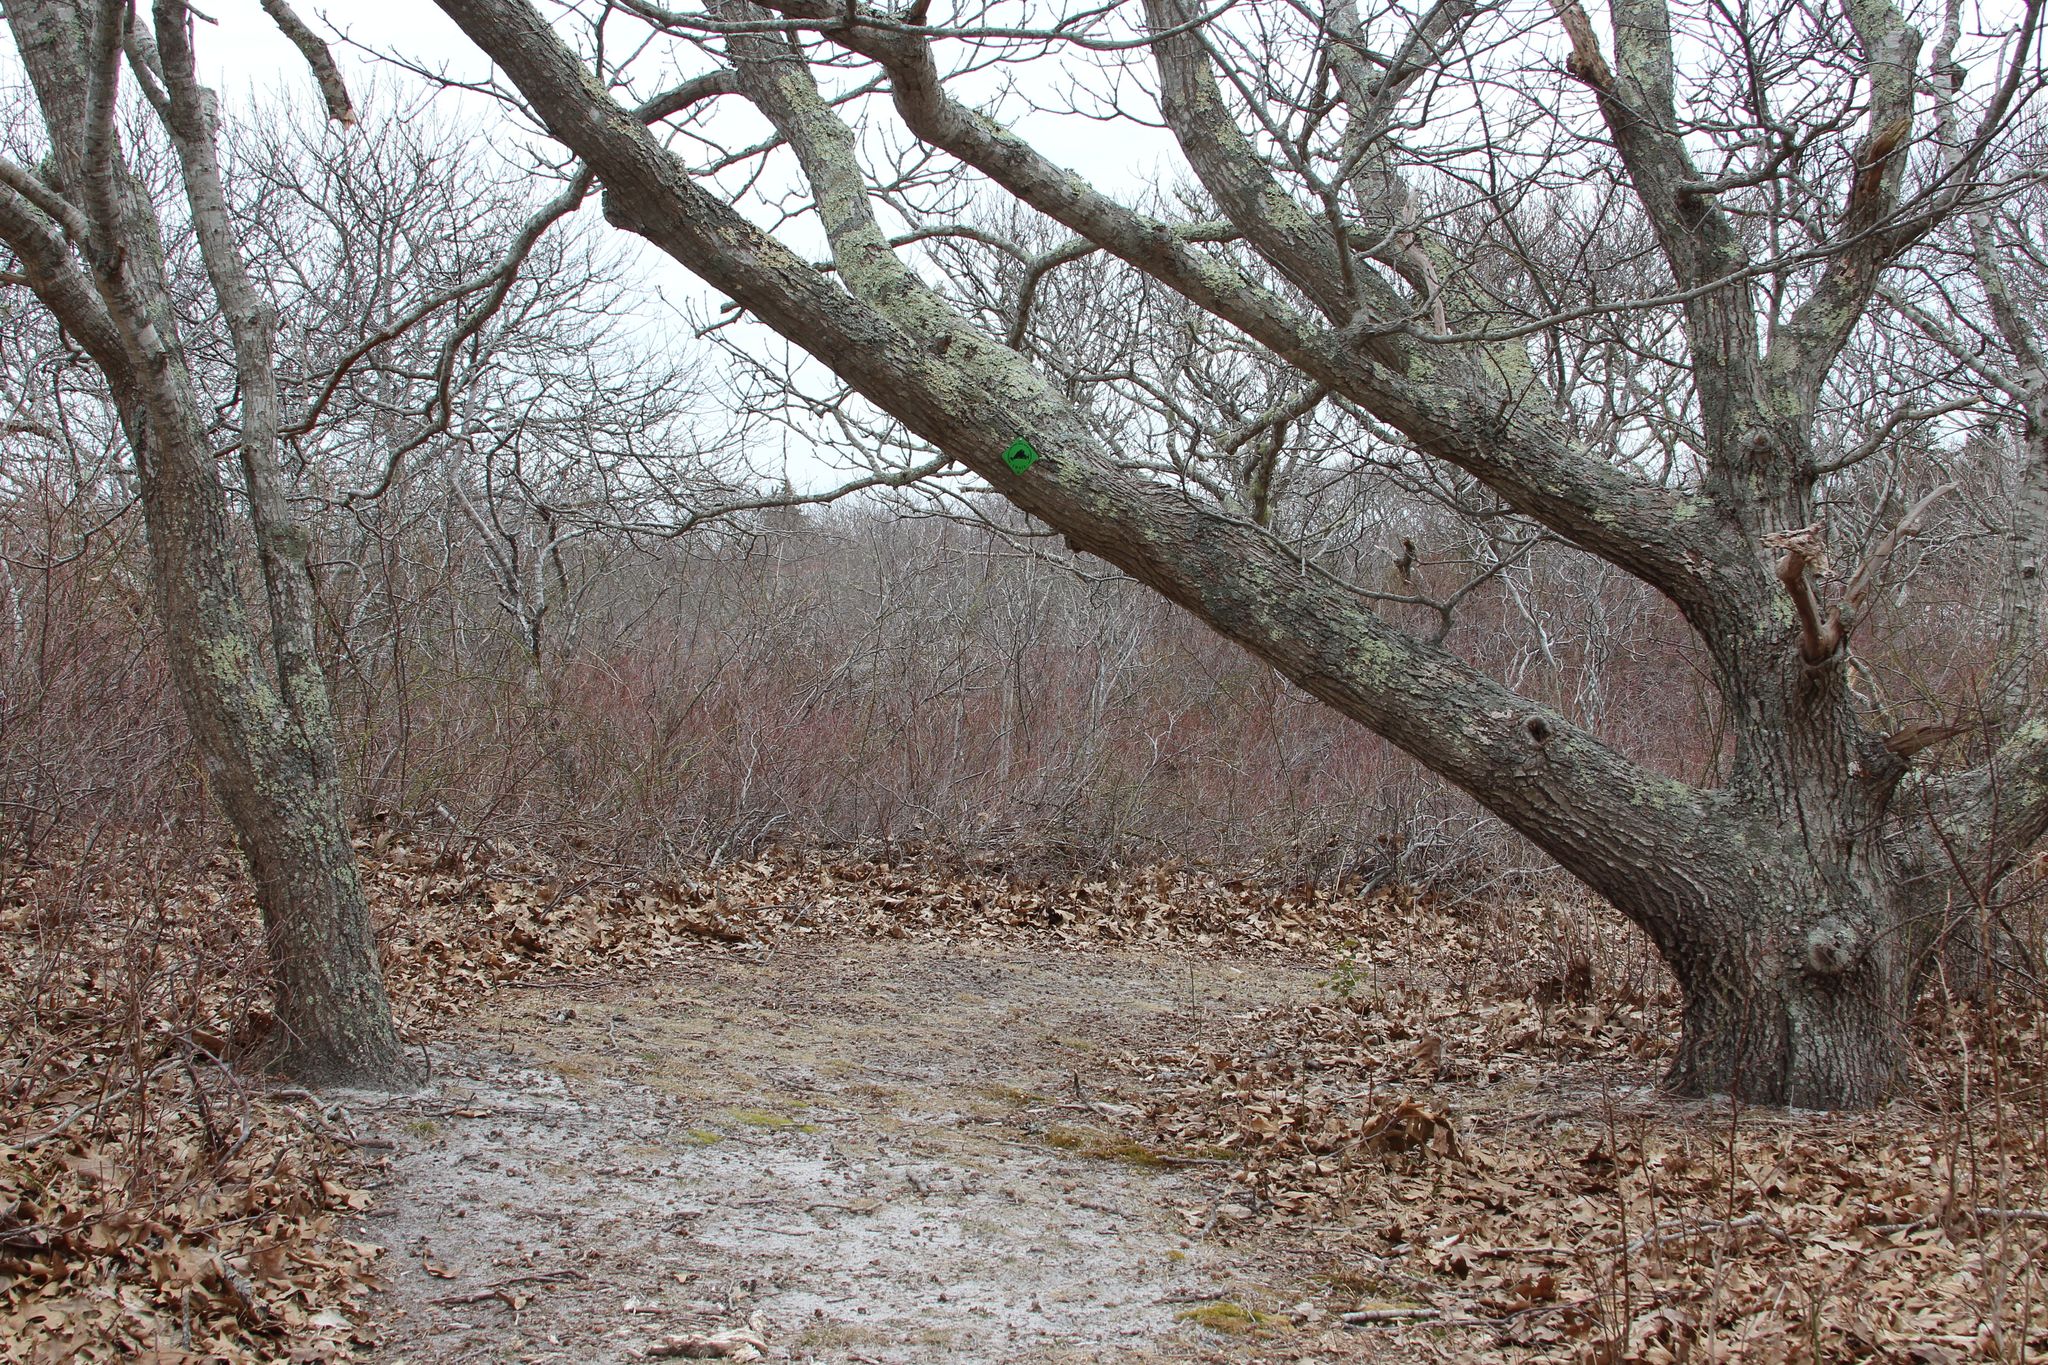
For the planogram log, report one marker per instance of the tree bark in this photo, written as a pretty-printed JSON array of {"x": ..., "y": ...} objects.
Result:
[
  {"x": 1791, "y": 1039},
  {"x": 263, "y": 729},
  {"x": 1797, "y": 989}
]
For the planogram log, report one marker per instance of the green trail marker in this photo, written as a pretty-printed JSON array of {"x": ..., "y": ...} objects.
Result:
[{"x": 1020, "y": 456}]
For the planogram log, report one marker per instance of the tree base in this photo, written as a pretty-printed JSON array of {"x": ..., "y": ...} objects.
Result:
[{"x": 1804, "y": 1043}]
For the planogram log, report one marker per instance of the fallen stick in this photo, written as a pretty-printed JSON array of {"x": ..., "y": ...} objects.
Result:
[
  {"x": 1367, "y": 1317},
  {"x": 1983, "y": 1213},
  {"x": 497, "y": 1290},
  {"x": 1373, "y": 1317},
  {"x": 2013, "y": 1215}
]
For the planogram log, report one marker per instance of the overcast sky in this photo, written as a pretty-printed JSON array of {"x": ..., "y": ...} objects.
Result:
[{"x": 244, "y": 57}]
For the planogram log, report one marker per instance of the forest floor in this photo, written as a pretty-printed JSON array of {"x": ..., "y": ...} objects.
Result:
[
  {"x": 871, "y": 1151},
  {"x": 831, "y": 1109}
]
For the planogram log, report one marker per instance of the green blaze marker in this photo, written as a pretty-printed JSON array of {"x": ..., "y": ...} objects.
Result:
[{"x": 1020, "y": 456}]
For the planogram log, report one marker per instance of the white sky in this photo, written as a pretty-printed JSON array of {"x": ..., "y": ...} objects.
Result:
[
  {"x": 244, "y": 57},
  {"x": 244, "y": 54}
]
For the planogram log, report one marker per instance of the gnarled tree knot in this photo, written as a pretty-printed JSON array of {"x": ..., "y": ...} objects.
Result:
[{"x": 1833, "y": 946}]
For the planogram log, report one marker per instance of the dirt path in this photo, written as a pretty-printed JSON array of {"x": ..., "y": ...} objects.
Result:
[{"x": 870, "y": 1151}]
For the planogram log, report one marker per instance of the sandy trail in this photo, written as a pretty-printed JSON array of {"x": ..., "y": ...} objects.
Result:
[{"x": 873, "y": 1151}]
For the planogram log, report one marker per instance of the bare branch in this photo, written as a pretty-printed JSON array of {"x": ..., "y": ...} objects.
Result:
[
  {"x": 333, "y": 89},
  {"x": 1856, "y": 596},
  {"x": 1801, "y": 551}
]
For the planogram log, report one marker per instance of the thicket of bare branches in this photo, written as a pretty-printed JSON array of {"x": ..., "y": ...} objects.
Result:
[
  {"x": 524, "y": 635},
  {"x": 848, "y": 677}
]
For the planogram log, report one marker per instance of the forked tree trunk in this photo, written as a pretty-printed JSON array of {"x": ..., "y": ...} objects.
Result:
[
  {"x": 1798, "y": 972},
  {"x": 1816, "y": 905},
  {"x": 1792, "y": 902},
  {"x": 262, "y": 724}
]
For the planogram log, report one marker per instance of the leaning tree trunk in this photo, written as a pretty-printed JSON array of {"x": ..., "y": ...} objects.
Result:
[
  {"x": 91, "y": 247},
  {"x": 1788, "y": 902}
]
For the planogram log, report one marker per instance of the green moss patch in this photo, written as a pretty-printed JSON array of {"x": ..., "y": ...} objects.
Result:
[
  {"x": 764, "y": 1118},
  {"x": 1234, "y": 1318}
]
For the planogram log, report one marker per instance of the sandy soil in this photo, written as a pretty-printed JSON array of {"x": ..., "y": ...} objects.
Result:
[{"x": 867, "y": 1151}]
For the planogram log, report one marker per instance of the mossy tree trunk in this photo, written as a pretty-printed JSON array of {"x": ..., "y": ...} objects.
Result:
[
  {"x": 91, "y": 246},
  {"x": 1797, "y": 901}
]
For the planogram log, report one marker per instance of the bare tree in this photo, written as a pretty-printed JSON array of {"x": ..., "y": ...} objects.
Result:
[
  {"x": 449, "y": 352},
  {"x": 89, "y": 241},
  {"x": 1977, "y": 298},
  {"x": 1374, "y": 178}
]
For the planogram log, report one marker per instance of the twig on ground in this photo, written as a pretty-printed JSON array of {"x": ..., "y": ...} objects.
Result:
[
  {"x": 1375, "y": 1317},
  {"x": 498, "y": 1290},
  {"x": 1982, "y": 1212},
  {"x": 1366, "y": 1317},
  {"x": 2012, "y": 1215}
]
